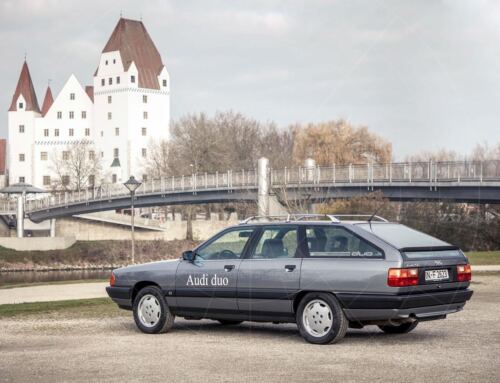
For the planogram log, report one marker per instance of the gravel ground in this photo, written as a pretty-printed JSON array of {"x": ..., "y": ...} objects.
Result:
[{"x": 62, "y": 347}]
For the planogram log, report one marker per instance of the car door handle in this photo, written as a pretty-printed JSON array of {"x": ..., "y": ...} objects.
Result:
[
  {"x": 228, "y": 267},
  {"x": 290, "y": 268}
]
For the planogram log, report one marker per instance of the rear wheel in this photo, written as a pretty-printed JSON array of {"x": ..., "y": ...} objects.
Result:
[
  {"x": 151, "y": 313},
  {"x": 320, "y": 319},
  {"x": 402, "y": 328},
  {"x": 229, "y": 322}
]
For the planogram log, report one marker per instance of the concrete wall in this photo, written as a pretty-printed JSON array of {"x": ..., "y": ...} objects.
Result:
[
  {"x": 37, "y": 243},
  {"x": 84, "y": 230}
]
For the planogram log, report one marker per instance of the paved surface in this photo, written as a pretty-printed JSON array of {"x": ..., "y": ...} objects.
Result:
[
  {"x": 57, "y": 292},
  {"x": 485, "y": 268},
  {"x": 63, "y": 347}
]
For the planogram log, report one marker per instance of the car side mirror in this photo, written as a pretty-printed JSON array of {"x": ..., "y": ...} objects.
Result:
[{"x": 189, "y": 256}]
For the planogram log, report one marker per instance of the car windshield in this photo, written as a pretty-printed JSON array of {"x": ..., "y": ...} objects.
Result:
[{"x": 402, "y": 236}]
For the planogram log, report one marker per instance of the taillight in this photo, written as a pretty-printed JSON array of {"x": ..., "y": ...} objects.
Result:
[
  {"x": 112, "y": 279},
  {"x": 464, "y": 273},
  {"x": 402, "y": 277}
]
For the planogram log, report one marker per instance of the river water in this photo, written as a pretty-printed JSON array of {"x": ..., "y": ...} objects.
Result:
[{"x": 22, "y": 277}]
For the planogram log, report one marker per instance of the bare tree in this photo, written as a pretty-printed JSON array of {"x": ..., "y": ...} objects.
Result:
[{"x": 78, "y": 166}]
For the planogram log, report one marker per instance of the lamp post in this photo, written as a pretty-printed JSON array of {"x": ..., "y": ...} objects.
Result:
[{"x": 132, "y": 185}]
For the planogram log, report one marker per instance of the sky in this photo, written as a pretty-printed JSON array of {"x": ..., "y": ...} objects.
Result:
[{"x": 424, "y": 75}]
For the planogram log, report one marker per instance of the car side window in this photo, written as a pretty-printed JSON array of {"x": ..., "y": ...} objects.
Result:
[
  {"x": 229, "y": 245},
  {"x": 332, "y": 241},
  {"x": 276, "y": 242}
]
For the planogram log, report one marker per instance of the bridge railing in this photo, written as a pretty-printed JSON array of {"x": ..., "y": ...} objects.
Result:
[{"x": 367, "y": 174}]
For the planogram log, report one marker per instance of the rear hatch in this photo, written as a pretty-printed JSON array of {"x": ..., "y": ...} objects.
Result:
[{"x": 439, "y": 263}]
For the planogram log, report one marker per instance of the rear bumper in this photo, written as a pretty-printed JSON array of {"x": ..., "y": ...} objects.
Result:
[
  {"x": 421, "y": 306},
  {"x": 120, "y": 295}
]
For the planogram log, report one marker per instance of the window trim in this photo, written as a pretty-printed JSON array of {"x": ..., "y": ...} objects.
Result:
[{"x": 308, "y": 255}]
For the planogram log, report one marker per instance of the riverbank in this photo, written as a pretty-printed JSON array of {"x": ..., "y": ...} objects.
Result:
[{"x": 91, "y": 255}]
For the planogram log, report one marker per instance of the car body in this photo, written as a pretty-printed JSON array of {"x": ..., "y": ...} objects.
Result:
[{"x": 325, "y": 275}]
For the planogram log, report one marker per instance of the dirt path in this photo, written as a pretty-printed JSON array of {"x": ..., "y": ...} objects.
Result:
[{"x": 57, "y": 292}]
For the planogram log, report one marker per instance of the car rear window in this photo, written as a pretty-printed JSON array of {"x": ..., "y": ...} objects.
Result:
[
  {"x": 402, "y": 236},
  {"x": 433, "y": 254}
]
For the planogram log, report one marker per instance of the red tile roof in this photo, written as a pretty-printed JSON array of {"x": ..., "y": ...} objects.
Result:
[
  {"x": 131, "y": 38},
  {"x": 48, "y": 100},
  {"x": 25, "y": 87},
  {"x": 89, "y": 89}
]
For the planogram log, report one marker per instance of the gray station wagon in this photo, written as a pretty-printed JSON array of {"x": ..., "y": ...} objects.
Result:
[{"x": 325, "y": 273}]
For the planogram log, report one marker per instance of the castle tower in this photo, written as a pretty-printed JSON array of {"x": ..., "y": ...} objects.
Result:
[
  {"x": 23, "y": 111},
  {"x": 131, "y": 100}
]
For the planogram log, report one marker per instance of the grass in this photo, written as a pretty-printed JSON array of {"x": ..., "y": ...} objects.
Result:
[
  {"x": 15, "y": 285},
  {"x": 80, "y": 307},
  {"x": 484, "y": 257}
]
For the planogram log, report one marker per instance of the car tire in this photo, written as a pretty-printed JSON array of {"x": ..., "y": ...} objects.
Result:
[
  {"x": 320, "y": 319},
  {"x": 402, "y": 328},
  {"x": 151, "y": 312},
  {"x": 226, "y": 322}
]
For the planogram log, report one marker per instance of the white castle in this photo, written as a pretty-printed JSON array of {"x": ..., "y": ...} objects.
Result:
[{"x": 126, "y": 109}]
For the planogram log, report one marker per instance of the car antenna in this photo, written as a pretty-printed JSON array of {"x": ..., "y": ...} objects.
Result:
[{"x": 373, "y": 216}]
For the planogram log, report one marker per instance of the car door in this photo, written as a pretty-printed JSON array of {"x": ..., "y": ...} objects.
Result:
[
  {"x": 209, "y": 283},
  {"x": 269, "y": 276}
]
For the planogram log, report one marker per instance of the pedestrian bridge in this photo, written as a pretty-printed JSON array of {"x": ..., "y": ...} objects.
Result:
[{"x": 459, "y": 181}]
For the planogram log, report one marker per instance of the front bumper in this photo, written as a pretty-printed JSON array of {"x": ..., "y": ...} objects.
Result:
[
  {"x": 121, "y": 296},
  {"x": 423, "y": 306}
]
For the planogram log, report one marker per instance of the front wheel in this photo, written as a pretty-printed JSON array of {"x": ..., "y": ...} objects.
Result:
[
  {"x": 151, "y": 313},
  {"x": 320, "y": 319},
  {"x": 402, "y": 328}
]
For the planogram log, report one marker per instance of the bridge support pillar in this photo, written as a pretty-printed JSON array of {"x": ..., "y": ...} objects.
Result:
[
  {"x": 263, "y": 186},
  {"x": 20, "y": 216},
  {"x": 52, "y": 227}
]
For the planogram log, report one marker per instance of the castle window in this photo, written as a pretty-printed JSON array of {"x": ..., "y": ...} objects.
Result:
[
  {"x": 71, "y": 115},
  {"x": 102, "y": 133},
  {"x": 114, "y": 178},
  {"x": 46, "y": 180},
  {"x": 65, "y": 155},
  {"x": 71, "y": 96},
  {"x": 21, "y": 105},
  {"x": 145, "y": 115},
  {"x": 45, "y": 132},
  {"x": 114, "y": 61},
  {"x": 103, "y": 82},
  {"x": 87, "y": 132},
  {"x": 117, "y": 79},
  {"x": 144, "y": 177},
  {"x": 110, "y": 81},
  {"x": 59, "y": 115},
  {"x": 56, "y": 132},
  {"x": 164, "y": 82},
  {"x": 84, "y": 114},
  {"x": 91, "y": 155},
  {"x": 44, "y": 156},
  {"x": 65, "y": 180},
  {"x": 21, "y": 157},
  {"x": 117, "y": 131},
  {"x": 110, "y": 116},
  {"x": 132, "y": 79},
  {"x": 144, "y": 131},
  {"x": 106, "y": 62},
  {"x": 110, "y": 99},
  {"x": 145, "y": 98},
  {"x": 144, "y": 152},
  {"x": 71, "y": 132},
  {"x": 22, "y": 180},
  {"x": 116, "y": 152},
  {"x": 91, "y": 180},
  {"x": 21, "y": 128}
]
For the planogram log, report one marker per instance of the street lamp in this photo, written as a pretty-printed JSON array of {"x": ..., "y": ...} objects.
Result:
[{"x": 132, "y": 185}]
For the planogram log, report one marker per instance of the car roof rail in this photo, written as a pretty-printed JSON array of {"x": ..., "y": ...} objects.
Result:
[
  {"x": 289, "y": 217},
  {"x": 360, "y": 217}
]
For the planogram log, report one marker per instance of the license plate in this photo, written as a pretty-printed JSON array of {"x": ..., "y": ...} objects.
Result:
[{"x": 436, "y": 275}]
